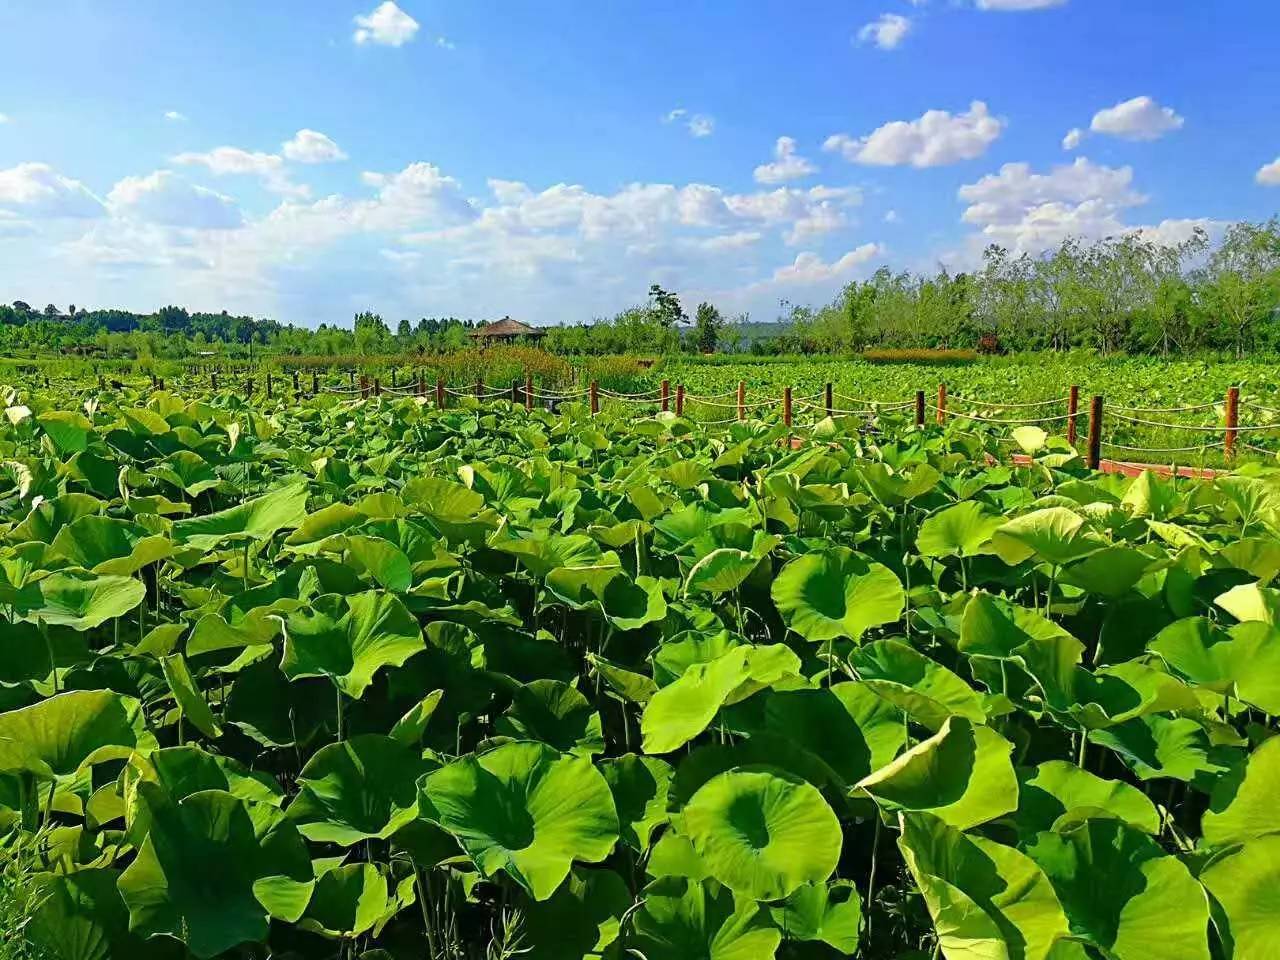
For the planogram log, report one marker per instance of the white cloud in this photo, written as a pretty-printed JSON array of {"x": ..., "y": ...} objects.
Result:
[
  {"x": 731, "y": 241},
  {"x": 810, "y": 268},
  {"x": 37, "y": 190},
  {"x": 4, "y": 118},
  {"x": 387, "y": 25},
  {"x": 1018, "y": 5},
  {"x": 1172, "y": 233},
  {"x": 1138, "y": 119},
  {"x": 698, "y": 124},
  {"x": 445, "y": 43},
  {"x": 937, "y": 138},
  {"x": 1031, "y": 211},
  {"x": 311, "y": 146},
  {"x": 886, "y": 32},
  {"x": 1269, "y": 175},
  {"x": 892, "y": 217},
  {"x": 166, "y": 199},
  {"x": 787, "y": 164},
  {"x": 232, "y": 161},
  {"x": 173, "y": 116},
  {"x": 1073, "y": 139}
]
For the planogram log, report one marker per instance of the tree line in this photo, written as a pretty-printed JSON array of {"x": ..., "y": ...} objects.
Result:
[{"x": 1120, "y": 294}]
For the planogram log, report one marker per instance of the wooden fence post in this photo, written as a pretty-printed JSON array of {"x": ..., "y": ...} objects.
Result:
[
  {"x": 942, "y": 403},
  {"x": 377, "y": 387},
  {"x": 315, "y": 383},
  {"x": 919, "y": 408},
  {"x": 1073, "y": 408},
  {"x": 440, "y": 393},
  {"x": 830, "y": 400},
  {"x": 248, "y": 387},
  {"x": 528, "y": 390},
  {"x": 296, "y": 388},
  {"x": 1233, "y": 421},
  {"x": 742, "y": 400},
  {"x": 679, "y": 399},
  {"x": 1094, "y": 456},
  {"x": 268, "y": 386},
  {"x": 595, "y": 397},
  {"x": 479, "y": 389},
  {"x": 786, "y": 406},
  {"x": 364, "y": 387},
  {"x": 352, "y": 375},
  {"x": 515, "y": 391},
  {"x": 393, "y": 378},
  {"x": 213, "y": 381},
  {"x": 666, "y": 395}
]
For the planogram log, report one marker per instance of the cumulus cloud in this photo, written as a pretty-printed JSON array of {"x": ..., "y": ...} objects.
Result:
[
  {"x": 738, "y": 240},
  {"x": 36, "y": 190},
  {"x": 1030, "y": 211},
  {"x": 1138, "y": 119},
  {"x": 311, "y": 146},
  {"x": 698, "y": 124},
  {"x": 166, "y": 199},
  {"x": 935, "y": 139},
  {"x": 232, "y": 161},
  {"x": 387, "y": 25},
  {"x": 786, "y": 165},
  {"x": 1269, "y": 175},
  {"x": 887, "y": 31},
  {"x": 173, "y": 116},
  {"x": 810, "y": 268},
  {"x": 1019, "y": 5},
  {"x": 1073, "y": 139}
]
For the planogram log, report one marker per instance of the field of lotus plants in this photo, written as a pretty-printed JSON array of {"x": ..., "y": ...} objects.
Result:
[{"x": 348, "y": 677}]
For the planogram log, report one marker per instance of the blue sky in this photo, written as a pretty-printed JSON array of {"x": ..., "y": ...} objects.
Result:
[{"x": 550, "y": 160}]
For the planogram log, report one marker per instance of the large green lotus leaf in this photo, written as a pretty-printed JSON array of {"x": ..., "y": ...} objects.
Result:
[
  {"x": 995, "y": 629},
  {"x": 726, "y": 568},
  {"x": 684, "y": 708},
  {"x": 1124, "y": 691},
  {"x": 762, "y": 833},
  {"x": 192, "y": 704},
  {"x": 958, "y": 530},
  {"x": 987, "y": 900},
  {"x": 348, "y": 639},
  {"x": 524, "y": 809},
  {"x": 1155, "y": 747},
  {"x": 630, "y": 604},
  {"x": 1259, "y": 556},
  {"x": 1243, "y": 803},
  {"x": 1054, "y": 534},
  {"x": 109, "y": 546},
  {"x": 1111, "y": 572},
  {"x": 1246, "y": 885},
  {"x": 581, "y": 587},
  {"x": 81, "y": 917},
  {"x": 85, "y": 601},
  {"x": 962, "y": 775},
  {"x": 1056, "y": 788},
  {"x": 640, "y": 787},
  {"x": 555, "y": 713},
  {"x": 257, "y": 519},
  {"x": 683, "y": 919},
  {"x": 361, "y": 788},
  {"x": 313, "y": 533},
  {"x": 923, "y": 689},
  {"x": 189, "y": 471},
  {"x": 410, "y": 727},
  {"x": 1251, "y": 601},
  {"x": 196, "y": 876},
  {"x": 48, "y": 517},
  {"x": 347, "y": 901},
  {"x": 273, "y": 711},
  {"x": 580, "y": 921},
  {"x": 894, "y": 487},
  {"x": 382, "y": 560},
  {"x": 1244, "y": 660},
  {"x": 541, "y": 555},
  {"x": 58, "y": 736},
  {"x": 628, "y": 684},
  {"x": 1122, "y": 894},
  {"x": 837, "y": 593},
  {"x": 185, "y": 770},
  {"x": 68, "y": 429},
  {"x": 24, "y": 655},
  {"x": 457, "y": 512},
  {"x": 689, "y": 647},
  {"x": 829, "y": 913}
]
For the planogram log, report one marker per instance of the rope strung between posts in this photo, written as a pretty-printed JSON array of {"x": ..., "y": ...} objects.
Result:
[
  {"x": 1197, "y": 449},
  {"x": 644, "y": 394},
  {"x": 834, "y": 410},
  {"x": 878, "y": 404},
  {"x": 1186, "y": 409},
  {"x": 1193, "y": 427},
  {"x": 1254, "y": 405},
  {"x": 984, "y": 403},
  {"x": 1016, "y": 423}
]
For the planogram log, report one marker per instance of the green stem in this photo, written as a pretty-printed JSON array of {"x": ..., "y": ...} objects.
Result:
[{"x": 871, "y": 880}]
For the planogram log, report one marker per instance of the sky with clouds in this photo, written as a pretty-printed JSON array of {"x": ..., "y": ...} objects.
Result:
[{"x": 550, "y": 160}]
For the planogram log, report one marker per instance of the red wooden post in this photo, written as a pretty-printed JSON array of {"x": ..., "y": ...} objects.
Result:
[
  {"x": 595, "y": 397},
  {"x": 679, "y": 399},
  {"x": 830, "y": 400},
  {"x": 742, "y": 400},
  {"x": 942, "y": 403},
  {"x": 786, "y": 406},
  {"x": 439, "y": 393},
  {"x": 1094, "y": 456},
  {"x": 666, "y": 395},
  {"x": 1073, "y": 407},
  {"x": 364, "y": 387},
  {"x": 1233, "y": 420},
  {"x": 919, "y": 408},
  {"x": 528, "y": 390}
]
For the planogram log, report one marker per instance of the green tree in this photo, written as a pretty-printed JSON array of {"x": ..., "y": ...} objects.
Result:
[{"x": 707, "y": 324}]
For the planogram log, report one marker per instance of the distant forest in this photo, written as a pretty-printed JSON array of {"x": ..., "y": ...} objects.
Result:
[{"x": 1124, "y": 294}]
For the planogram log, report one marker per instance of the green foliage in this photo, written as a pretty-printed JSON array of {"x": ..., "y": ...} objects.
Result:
[{"x": 363, "y": 677}]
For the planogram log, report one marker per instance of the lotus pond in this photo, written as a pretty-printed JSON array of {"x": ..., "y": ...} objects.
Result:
[{"x": 351, "y": 678}]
